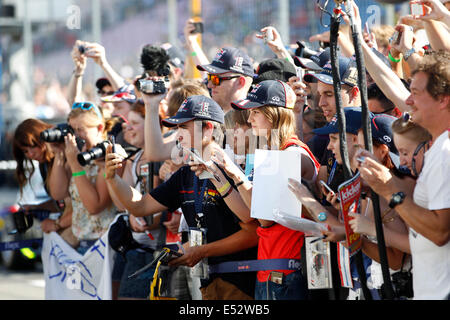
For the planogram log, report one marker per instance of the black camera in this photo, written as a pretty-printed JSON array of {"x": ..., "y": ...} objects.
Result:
[
  {"x": 22, "y": 221},
  {"x": 151, "y": 87},
  {"x": 198, "y": 27},
  {"x": 403, "y": 285},
  {"x": 97, "y": 152},
  {"x": 82, "y": 49},
  {"x": 56, "y": 134},
  {"x": 304, "y": 51}
]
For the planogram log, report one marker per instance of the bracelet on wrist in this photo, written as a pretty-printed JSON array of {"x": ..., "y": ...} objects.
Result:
[
  {"x": 240, "y": 183},
  {"x": 393, "y": 59},
  {"x": 193, "y": 54},
  {"x": 230, "y": 190},
  {"x": 79, "y": 173},
  {"x": 224, "y": 187}
]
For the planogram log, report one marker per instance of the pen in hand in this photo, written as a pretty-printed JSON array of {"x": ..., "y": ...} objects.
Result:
[
  {"x": 321, "y": 238},
  {"x": 139, "y": 221}
]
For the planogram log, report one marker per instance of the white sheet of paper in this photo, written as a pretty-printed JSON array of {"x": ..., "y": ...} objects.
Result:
[{"x": 272, "y": 169}]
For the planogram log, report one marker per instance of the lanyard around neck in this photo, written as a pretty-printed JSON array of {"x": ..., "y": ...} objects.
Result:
[{"x": 198, "y": 201}]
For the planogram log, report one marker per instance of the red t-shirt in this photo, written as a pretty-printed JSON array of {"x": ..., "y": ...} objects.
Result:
[{"x": 277, "y": 241}]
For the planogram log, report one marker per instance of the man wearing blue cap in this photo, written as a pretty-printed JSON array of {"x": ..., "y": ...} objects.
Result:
[
  {"x": 202, "y": 202},
  {"x": 230, "y": 76},
  {"x": 353, "y": 124}
]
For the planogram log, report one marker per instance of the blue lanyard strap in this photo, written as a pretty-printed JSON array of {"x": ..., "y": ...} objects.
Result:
[
  {"x": 198, "y": 201},
  {"x": 332, "y": 172}
]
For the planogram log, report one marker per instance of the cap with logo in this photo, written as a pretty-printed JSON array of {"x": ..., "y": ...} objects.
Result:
[
  {"x": 230, "y": 59},
  {"x": 352, "y": 122},
  {"x": 315, "y": 62},
  {"x": 266, "y": 93},
  {"x": 125, "y": 93},
  {"x": 382, "y": 130},
  {"x": 347, "y": 71},
  {"x": 196, "y": 108},
  {"x": 381, "y": 126},
  {"x": 274, "y": 69}
]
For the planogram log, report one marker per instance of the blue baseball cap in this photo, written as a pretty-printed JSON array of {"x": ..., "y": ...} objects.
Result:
[
  {"x": 266, "y": 93},
  {"x": 196, "y": 108},
  {"x": 382, "y": 130},
  {"x": 230, "y": 59},
  {"x": 381, "y": 126},
  {"x": 347, "y": 71},
  {"x": 353, "y": 122}
]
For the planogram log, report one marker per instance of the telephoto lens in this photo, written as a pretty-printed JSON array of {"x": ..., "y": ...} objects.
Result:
[
  {"x": 97, "y": 152},
  {"x": 56, "y": 134}
]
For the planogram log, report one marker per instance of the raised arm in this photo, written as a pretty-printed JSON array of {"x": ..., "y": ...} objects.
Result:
[
  {"x": 193, "y": 46},
  {"x": 97, "y": 53},
  {"x": 155, "y": 148},
  {"x": 385, "y": 78},
  {"x": 275, "y": 43},
  {"x": 76, "y": 80}
]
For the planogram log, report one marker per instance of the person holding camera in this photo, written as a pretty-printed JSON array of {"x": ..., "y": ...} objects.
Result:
[
  {"x": 137, "y": 173},
  {"x": 93, "y": 210},
  {"x": 28, "y": 150},
  {"x": 203, "y": 205}
]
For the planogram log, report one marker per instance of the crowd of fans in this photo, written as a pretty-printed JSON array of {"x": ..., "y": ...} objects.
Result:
[{"x": 163, "y": 120}]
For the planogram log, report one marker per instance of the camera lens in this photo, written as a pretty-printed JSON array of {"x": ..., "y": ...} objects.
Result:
[
  {"x": 52, "y": 135},
  {"x": 95, "y": 153}
]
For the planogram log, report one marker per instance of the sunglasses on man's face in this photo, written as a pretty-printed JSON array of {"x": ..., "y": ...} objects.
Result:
[
  {"x": 216, "y": 80},
  {"x": 105, "y": 93}
]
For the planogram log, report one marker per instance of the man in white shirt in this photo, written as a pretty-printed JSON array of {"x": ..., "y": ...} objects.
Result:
[{"x": 427, "y": 210}]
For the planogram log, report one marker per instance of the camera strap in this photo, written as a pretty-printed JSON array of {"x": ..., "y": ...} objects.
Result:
[{"x": 198, "y": 202}]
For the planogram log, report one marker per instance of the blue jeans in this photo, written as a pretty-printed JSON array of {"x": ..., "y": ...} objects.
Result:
[
  {"x": 138, "y": 287},
  {"x": 294, "y": 287}
]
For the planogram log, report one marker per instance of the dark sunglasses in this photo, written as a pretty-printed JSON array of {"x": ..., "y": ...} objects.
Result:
[
  {"x": 425, "y": 145},
  {"x": 216, "y": 80},
  {"x": 105, "y": 93},
  {"x": 87, "y": 106},
  {"x": 388, "y": 110}
]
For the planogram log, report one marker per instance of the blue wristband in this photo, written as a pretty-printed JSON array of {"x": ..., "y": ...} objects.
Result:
[{"x": 322, "y": 216}]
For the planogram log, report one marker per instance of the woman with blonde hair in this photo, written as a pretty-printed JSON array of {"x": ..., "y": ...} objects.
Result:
[
  {"x": 272, "y": 118},
  {"x": 93, "y": 210}
]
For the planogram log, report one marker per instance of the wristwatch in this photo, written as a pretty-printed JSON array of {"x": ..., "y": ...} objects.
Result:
[
  {"x": 408, "y": 53},
  {"x": 396, "y": 199}
]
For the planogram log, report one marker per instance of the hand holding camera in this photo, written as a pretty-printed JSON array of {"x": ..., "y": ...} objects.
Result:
[
  {"x": 404, "y": 38},
  {"x": 113, "y": 161},
  {"x": 430, "y": 9},
  {"x": 94, "y": 51},
  {"x": 78, "y": 58},
  {"x": 272, "y": 38}
]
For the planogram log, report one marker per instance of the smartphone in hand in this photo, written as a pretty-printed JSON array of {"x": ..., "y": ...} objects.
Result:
[
  {"x": 328, "y": 188},
  {"x": 113, "y": 142}
]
